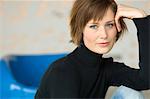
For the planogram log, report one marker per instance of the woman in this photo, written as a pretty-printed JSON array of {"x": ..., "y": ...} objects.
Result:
[{"x": 95, "y": 27}]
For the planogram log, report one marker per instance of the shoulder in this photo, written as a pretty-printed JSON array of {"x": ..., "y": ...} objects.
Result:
[
  {"x": 60, "y": 79},
  {"x": 63, "y": 64},
  {"x": 110, "y": 63},
  {"x": 61, "y": 68},
  {"x": 114, "y": 66}
]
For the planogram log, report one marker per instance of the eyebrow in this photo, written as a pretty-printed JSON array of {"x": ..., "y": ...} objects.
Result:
[
  {"x": 105, "y": 22},
  {"x": 110, "y": 21}
]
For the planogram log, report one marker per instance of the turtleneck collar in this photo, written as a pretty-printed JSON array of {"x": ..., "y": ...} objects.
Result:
[{"x": 87, "y": 57}]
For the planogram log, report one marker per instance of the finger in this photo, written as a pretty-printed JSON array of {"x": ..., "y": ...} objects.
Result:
[{"x": 119, "y": 15}]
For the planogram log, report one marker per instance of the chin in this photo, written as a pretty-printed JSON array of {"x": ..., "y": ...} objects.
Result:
[{"x": 103, "y": 51}]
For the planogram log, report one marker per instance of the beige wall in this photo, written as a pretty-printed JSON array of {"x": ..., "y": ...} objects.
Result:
[{"x": 34, "y": 27}]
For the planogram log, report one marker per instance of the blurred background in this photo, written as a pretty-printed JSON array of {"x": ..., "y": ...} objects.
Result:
[{"x": 33, "y": 33}]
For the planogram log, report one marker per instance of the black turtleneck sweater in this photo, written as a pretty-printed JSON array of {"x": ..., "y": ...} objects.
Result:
[{"x": 85, "y": 74}]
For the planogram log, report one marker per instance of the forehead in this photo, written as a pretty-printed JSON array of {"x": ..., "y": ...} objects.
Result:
[{"x": 108, "y": 16}]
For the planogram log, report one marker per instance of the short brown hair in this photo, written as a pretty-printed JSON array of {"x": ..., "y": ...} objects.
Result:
[{"x": 85, "y": 10}]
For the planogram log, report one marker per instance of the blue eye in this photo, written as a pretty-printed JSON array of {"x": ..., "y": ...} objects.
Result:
[
  {"x": 93, "y": 26},
  {"x": 110, "y": 25}
]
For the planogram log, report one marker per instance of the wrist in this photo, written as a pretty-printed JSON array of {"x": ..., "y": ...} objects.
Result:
[{"x": 142, "y": 14}]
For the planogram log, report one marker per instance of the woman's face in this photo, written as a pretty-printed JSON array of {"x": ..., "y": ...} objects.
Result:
[{"x": 100, "y": 36}]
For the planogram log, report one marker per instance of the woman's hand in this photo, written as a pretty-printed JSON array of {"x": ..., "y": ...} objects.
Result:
[{"x": 124, "y": 11}]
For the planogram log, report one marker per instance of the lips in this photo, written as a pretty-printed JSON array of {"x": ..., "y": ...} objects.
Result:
[{"x": 103, "y": 44}]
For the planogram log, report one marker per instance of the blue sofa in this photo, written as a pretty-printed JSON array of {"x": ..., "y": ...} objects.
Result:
[{"x": 20, "y": 75}]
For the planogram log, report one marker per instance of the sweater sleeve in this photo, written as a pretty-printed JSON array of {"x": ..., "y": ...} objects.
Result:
[
  {"x": 59, "y": 82},
  {"x": 139, "y": 79},
  {"x": 143, "y": 33}
]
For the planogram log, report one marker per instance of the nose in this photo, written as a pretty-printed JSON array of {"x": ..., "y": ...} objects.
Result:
[{"x": 102, "y": 33}]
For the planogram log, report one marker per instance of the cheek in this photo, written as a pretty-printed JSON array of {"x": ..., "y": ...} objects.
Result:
[
  {"x": 88, "y": 36},
  {"x": 113, "y": 33}
]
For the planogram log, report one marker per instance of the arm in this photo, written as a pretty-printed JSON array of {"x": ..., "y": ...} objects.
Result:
[
  {"x": 143, "y": 28},
  {"x": 134, "y": 78}
]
